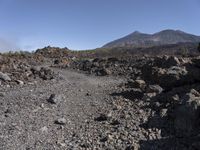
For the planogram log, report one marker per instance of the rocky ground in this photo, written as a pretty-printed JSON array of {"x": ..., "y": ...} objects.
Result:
[{"x": 138, "y": 103}]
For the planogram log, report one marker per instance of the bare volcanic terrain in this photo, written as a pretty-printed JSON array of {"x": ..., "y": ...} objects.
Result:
[
  {"x": 131, "y": 103},
  {"x": 30, "y": 114}
]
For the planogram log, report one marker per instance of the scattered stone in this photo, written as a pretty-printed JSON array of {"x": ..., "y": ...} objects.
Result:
[
  {"x": 61, "y": 144},
  {"x": 80, "y": 90},
  {"x": 42, "y": 105},
  {"x": 163, "y": 112},
  {"x": 102, "y": 117},
  {"x": 115, "y": 122},
  {"x": 20, "y": 82},
  {"x": 44, "y": 129},
  {"x": 154, "y": 88},
  {"x": 133, "y": 147},
  {"x": 139, "y": 84},
  {"x": 109, "y": 115},
  {"x": 104, "y": 139},
  {"x": 88, "y": 94},
  {"x": 2, "y": 94},
  {"x": 7, "y": 112},
  {"x": 103, "y": 72},
  {"x": 4, "y": 77},
  {"x": 54, "y": 98},
  {"x": 35, "y": 69},
  {"x": 61, "y": 121}
]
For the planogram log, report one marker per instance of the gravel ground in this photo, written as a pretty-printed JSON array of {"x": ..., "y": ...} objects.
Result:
[{"x": 29, "y": 121}]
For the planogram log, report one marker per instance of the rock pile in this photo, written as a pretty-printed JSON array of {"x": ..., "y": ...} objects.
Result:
[
  {"x": 114, "y": 66},
  {"x": 44, "y": 73},
  {"x": 170, "y": 88},
  {"x": 18, "y": 71}
]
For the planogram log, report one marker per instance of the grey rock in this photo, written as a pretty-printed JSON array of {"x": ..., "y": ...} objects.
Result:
[
  {"x": 138, "y": 84},
  {"x": 103, "y": 72},
  {"x": 154, "y": 88},
  {"x": 4, "y": 77},
  {"x": 101, "y": 117},
  {"x": 35, "y": 69},
  {"x": 2, "y": 94},
  {"x": 163, "y": 112},
  {"x": 20, "y": 82},
  {"x": 115, "y": 122},
  {"x": 44, "y": 129},
  {"x": 54, "y": 98},
  {"x": 61, "y": 121}
]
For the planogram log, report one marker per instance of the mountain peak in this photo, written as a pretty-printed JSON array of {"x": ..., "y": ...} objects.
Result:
[
  {"x": 180, "y": 31},
  {"x": 136, "y": 32},
  {"x": 168, "y": 31}
]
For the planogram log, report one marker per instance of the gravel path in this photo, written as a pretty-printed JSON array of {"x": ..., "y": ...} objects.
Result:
[{"x": 28, "y": 120}]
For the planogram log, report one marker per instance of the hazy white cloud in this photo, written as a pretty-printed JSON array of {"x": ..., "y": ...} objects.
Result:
[{"x": 8, "y": 45}]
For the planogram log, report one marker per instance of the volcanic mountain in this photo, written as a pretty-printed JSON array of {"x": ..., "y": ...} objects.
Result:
[{"x": 138, "y": 39}]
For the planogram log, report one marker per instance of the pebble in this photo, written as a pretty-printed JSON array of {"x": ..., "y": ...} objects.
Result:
[
  {"x": 88, "y": 94},
  {"x": 163, "y": 112},
  {"x": 44, "y": 129},
  {"x": 2, "y": 94},
  {"x": 20, "y": 82},
  {"x": 61, "y": 121},
  {"x": 54, "y": 98},
  {"x": 4, "y": 77},
  {"x": 115, "y": 122},
  {"x": 61, "y": 144},
  {"x": 102, "y": 117}
]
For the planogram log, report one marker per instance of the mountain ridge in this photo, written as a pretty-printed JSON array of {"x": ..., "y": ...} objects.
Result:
[{"x": 139, "y": 39}]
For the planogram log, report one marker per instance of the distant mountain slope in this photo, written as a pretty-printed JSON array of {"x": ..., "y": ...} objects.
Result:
[{"x": 137, "y": 39}]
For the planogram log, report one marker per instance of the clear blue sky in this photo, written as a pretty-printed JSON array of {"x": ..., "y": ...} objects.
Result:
[{"x": 86, "y": 24}]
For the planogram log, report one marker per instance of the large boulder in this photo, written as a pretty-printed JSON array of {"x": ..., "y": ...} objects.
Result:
[
  {"x": 173, "y": 76},
  {"x": 167, "y": 78}
]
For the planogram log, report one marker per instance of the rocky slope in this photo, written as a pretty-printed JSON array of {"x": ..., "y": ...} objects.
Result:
[
  {"x": 137, "y": 39},
  {"x": 167, "y": 90}
]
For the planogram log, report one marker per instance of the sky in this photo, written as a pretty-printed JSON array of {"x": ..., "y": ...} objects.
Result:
[{"x": 88, "y": 24}]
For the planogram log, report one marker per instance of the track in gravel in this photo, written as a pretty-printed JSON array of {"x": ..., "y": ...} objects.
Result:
[{"x": 27, "y": 120}]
